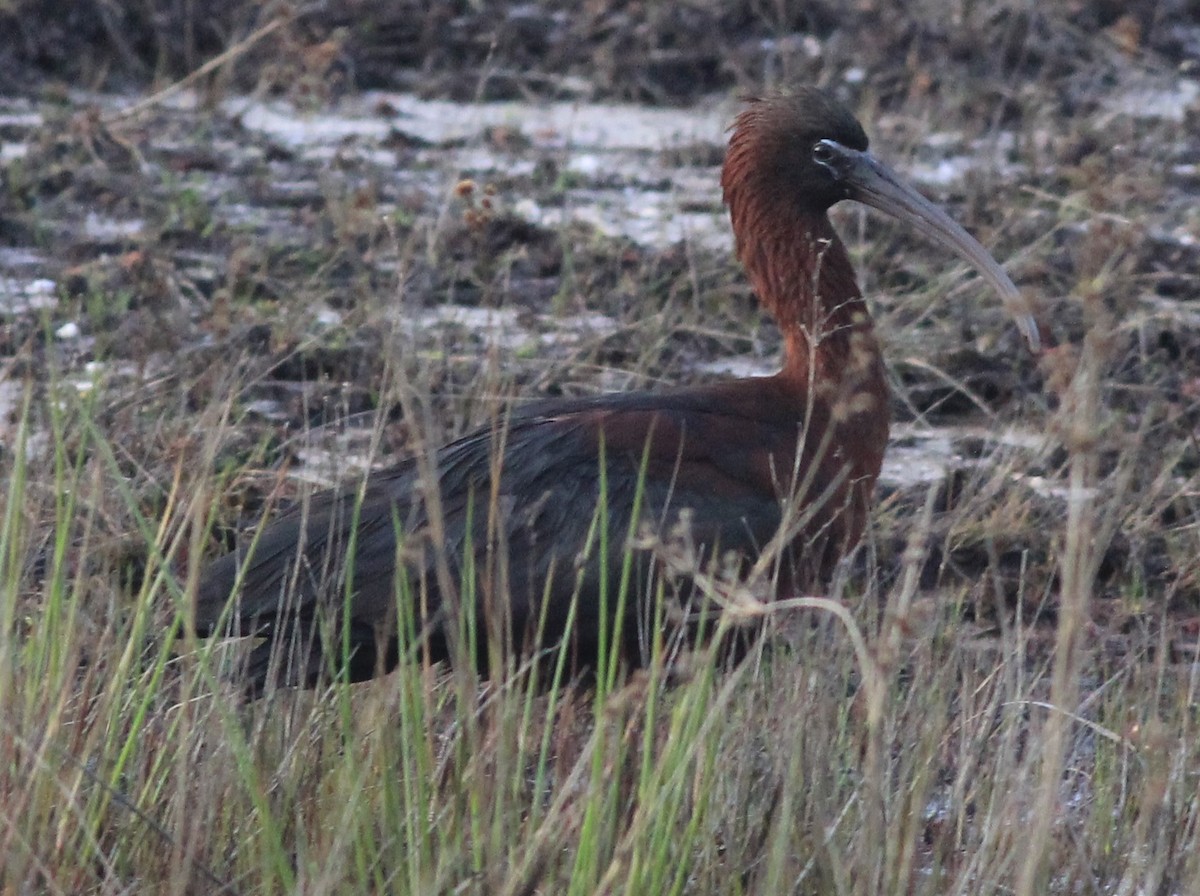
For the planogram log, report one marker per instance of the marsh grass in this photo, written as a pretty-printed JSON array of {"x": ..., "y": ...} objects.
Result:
[
  {"x": 930, "y": 725},
  {"x": 879, "y": 745}
]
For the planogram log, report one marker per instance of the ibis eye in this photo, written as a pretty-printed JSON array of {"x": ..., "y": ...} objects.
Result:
[{"x": 822, "y": 153}]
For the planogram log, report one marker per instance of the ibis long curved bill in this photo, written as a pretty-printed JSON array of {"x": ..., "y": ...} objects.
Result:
[{"x": 871, "y": 182}]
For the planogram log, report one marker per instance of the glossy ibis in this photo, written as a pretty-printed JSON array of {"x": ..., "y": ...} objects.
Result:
[{"x": 330, "y": 584}]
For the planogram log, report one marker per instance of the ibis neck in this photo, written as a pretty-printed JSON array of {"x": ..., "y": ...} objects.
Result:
[{"x": 803, "y": 277}]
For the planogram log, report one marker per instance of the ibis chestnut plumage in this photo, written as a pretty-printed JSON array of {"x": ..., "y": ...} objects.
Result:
[{"x": 502, "y": 525}]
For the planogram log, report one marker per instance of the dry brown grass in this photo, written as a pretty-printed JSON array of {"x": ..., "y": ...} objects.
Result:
[{"x": 1002, "y": 698}]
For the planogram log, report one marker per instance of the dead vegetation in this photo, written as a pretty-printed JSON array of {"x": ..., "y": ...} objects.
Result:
[{"x": 1018, "y": 714}]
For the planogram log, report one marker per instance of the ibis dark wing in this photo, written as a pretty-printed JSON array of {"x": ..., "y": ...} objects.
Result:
[{"x": 537, "y": 515}]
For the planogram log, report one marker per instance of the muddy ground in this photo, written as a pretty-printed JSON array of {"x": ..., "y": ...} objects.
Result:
[{"x": 260, "y": 257}]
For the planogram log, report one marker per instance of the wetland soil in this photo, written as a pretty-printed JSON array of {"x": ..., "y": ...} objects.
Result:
[{"x": 472, "y": 201}]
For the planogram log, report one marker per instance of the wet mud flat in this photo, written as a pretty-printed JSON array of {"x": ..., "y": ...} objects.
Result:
[
  {"x": 373, "y": 227},
  {"x": 296, "y": 259}
]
